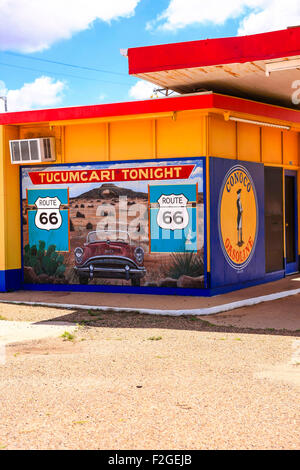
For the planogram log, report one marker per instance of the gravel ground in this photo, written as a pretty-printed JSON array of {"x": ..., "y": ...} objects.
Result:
[{"x": 131, "y": 381}]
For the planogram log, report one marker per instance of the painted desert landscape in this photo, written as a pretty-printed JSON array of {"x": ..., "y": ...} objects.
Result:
[{"x": 93, "y": 210}]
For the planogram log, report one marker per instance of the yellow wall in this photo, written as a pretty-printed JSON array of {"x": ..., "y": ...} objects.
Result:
[
  {"x": 290, "y": 148},
  {"x": 10, "y": 236},
  {"x": 182, "y": 134},
  {"x": 222, "y": 137},
  {"x": 271, "y": 145},
  {"x": 85, "y": 143},
  {"x": 178, "y": 135},
  {"x": 249, "y": 142}
]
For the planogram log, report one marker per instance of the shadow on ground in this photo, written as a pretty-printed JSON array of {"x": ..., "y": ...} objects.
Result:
[{"x": 111, "y": 319}]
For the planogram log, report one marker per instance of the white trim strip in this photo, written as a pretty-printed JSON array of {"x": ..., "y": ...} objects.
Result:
[{"x": 194, "y": 312}]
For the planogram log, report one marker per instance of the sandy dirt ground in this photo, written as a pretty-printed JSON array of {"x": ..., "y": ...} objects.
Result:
[{"x": 129, "y": 381}]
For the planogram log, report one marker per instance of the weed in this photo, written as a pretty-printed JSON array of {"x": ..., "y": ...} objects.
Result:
[
  {"x": 94, "y": 313},
  {"x": 207, "y": 323},
  {"x": 2, "y": 318},
  {"x": 155, "y": 338},
  {"x": 67, "y": 336}
]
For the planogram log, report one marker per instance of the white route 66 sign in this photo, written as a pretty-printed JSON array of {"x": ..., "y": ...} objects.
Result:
[
  {"x": 172, "y": 213},
  {"x": 48, "y": 216}
]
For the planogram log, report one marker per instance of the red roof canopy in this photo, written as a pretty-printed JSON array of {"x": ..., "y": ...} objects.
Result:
[
  {"x": 206, "y": 52},
  {"x": 233, "y": 66}
]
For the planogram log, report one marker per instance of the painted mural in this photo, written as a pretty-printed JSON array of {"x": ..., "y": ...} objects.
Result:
[
  {"x": 128, "y": 224},
  {"x": 237, "y": 222}
]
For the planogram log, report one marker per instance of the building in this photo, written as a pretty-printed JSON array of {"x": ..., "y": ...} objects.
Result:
[{"x": 189, "y": 194}]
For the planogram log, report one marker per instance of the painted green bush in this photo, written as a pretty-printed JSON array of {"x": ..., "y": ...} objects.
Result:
[
  {"x": 189, "y": 264},
  {"x": 43, "y": 261}
]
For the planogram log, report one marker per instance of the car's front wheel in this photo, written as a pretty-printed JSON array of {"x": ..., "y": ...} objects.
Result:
[
  {"x": 136, "y": 282},
  {"x": 83, "y": 280}
]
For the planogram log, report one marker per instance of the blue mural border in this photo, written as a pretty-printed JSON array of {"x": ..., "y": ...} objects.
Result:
[{"x": 111, "y": 288}]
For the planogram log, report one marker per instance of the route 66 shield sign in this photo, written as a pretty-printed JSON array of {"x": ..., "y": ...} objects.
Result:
[
  {"x": 172, "y": 213},
  {"x": 48, "y": 216}
]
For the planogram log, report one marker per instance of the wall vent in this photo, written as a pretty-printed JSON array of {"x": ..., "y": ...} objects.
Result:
[{"x": 32, "y": 150}]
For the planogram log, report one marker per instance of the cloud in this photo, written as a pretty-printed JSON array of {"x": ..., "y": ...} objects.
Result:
[
  {"x": 141, "y": 90},
  {"x": 44, "y": 92},
  {"x": 34, "y": 25},
  {"x": 276, "y": 15},
  {"x": 255, "y": 16}
]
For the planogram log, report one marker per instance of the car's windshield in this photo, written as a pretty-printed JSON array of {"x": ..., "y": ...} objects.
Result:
[{"x": 108, "y": 235}]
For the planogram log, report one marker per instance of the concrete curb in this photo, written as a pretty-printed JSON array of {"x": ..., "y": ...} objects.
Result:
[{"x": 194, "y": 312}]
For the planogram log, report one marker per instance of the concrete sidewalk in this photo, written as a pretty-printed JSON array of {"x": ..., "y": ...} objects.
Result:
[
  {"x": 159, "y": 302},
  {"x": 16, "y": 331},
  {"x": 233, "y": 309}
]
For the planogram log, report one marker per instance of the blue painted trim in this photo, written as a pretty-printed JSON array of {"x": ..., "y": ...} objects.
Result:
[
  {"x": 21, "y": 222},
  {"x": 118, "y": 289},
  {"x": 268, "y": 278},
  {"x": 204, "y": 163},
  {"x": 274, "y": 276},
  {"x": 10, "y": 279},
  {"x": 155, "y": 290},
  {"x": 109, "y": 162}
]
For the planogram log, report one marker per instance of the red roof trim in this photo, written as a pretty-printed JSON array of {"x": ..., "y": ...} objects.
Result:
[
  {"x": 208, "y": 52},
  {"x": 182, "y": 103},
  {"x": 255, "y": 108},
  {"x": 109, "y": 110}
]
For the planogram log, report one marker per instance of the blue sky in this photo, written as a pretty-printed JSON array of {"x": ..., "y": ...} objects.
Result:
[{"x": 90, "y": 33}]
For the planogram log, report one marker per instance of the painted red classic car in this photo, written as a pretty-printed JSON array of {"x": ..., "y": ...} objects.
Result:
[{"x": 109, "y": 254}]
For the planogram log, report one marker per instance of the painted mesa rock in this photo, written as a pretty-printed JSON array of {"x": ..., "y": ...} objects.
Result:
[{"x": 189, "y": 282}]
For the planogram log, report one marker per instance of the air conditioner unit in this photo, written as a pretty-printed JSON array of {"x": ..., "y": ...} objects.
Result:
[{"x": 32, "y": 150}]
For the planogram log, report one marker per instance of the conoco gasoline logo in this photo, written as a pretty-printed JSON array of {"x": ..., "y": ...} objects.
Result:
[{"x": 238, "y": 217}]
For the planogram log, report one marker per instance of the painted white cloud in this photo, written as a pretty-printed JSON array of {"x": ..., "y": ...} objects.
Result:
[
  {"x": 141, "y": 90},
  {"x": 34, "y": 25},
  {"x": 44, "y": 92},
  {"x": 255, "y": 16}
]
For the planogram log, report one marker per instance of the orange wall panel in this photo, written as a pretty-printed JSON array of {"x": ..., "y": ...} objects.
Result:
[
  {"x": 248, "y": 142},
  {"x": 291, "y": 148},
  {"x": 180, "y": 137},
  {"x": 222, "y": 137},
  {"x": 271, "y": 145},
  {"x": 131, "y": 139},
  {"x": 85, "y": 143}
]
